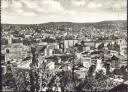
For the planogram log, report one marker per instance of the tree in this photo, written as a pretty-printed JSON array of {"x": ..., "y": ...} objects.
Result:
[
  {"x": 15, "y": 32},
  {"x": 9, "y": 81},
  {"x": 116, "y": 47},
  {"x": 101, "y": 46},
  {"x": 26, "y": 42},
  {"x": 4, "y": 41},
  {"x": 124, "y": 72},
  {"x": 113, "y": 37},
  {"x": 31, "y": 75},
  {"x": 91, "y": 70},
  {"x": 109, "y": 46},
  {"x": 82, "y": 43},
  {"x": 100, "y": 75},
  {"x": 34, "y": 72},
  {"x": 66, "y": 80}
]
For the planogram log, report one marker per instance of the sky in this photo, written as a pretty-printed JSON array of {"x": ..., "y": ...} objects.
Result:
[{"x": 43, "y": 11}]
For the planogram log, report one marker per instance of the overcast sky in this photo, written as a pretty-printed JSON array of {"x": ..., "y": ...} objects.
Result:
[{"x": 42, "y": 11}]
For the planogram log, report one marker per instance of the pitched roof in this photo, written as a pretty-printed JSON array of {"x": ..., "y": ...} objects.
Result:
[{"x": 114, "y": 58}]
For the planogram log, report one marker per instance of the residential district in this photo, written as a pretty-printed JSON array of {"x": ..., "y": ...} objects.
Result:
[{"x": 51, "y": 59}]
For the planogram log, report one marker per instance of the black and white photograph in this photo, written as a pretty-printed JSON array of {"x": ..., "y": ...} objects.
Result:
[{"x": 64, "y": 46}]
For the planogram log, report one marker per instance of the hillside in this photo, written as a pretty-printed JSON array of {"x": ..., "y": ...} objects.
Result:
[{"x": 118, "y": 24}]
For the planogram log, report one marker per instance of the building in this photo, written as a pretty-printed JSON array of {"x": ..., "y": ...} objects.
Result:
[
  {"x": 49, "y": 50},
  {"x": 113, "y": 52},
  {"x": 122, "y": 60},
  {"x": 27, "y": 36},
  {"x": 10, "y": 39},
  {"x": 86, "y": 48},
  {"x": 79, "y": 47},
  {"x": 70, "y": 43},
  {"x": 24, "y": 65},
  {"x": 115, "y": 62},
  {"x": 14, "y": 53},
  {"x": 4, "y": 71},
  {"x": 66, "y": 67},
  {"x": 42, "y": 43},
  {"x": 99, "y": 65},
  {"x": 91, "y": 44},
  {"x": 82, "y": 72},
  {"x": 86, "y": 61},
  {"x": 51, "y": 65},
  {"x": 7, "y": 55}
]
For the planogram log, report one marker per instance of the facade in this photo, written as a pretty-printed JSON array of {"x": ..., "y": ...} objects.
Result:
[
  {"x": 48, "y": 51},
  {"x": 99, "y": 65},
  {"x": 51, "y": 65},
  {"x": 10, "y": 39},
  {"x": 115, "y": 62},
  {"x": 70, "y": 43},
  {"x": 91, "y": 44},
  {"x": 86, "y": 61},
  {"x": 86, "y": 48}
]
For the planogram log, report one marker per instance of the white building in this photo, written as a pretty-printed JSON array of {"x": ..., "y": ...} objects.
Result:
[
  {"x": 27, "y": 36},
  {"x": 86, "y": 61},
  {"x": 99, "y": 65},
  {"x": 86, "y": 48},
  {"x": 10, "y": 39},
  {"x": 69, "y": 43},
  {"x": 3, "y": 70},
  {"x": 49, "y": 50},
  {"x": 51, "y": 65}
]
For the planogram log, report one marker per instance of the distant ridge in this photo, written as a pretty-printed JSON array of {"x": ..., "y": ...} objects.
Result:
[
  {"x": 64, "y": 23},
  {"x": 116, "y": 24}
]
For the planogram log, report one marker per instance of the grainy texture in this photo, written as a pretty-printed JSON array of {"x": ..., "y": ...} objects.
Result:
[{"x": 64, "y": 45}]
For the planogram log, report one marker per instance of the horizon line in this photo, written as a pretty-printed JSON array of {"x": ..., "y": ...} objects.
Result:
[{"x": 61, "y": 22}]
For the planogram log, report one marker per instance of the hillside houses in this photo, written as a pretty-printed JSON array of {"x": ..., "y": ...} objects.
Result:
[{"x": 64, "y": 55}]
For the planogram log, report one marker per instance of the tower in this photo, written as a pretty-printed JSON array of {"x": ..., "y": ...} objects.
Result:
[{"x": 9, "y": 40}]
